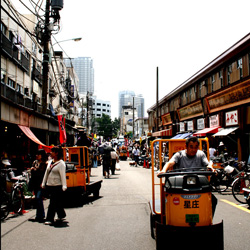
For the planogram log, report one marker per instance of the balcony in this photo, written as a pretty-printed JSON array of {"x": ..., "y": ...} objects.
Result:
[
  {"x": 37, "y": 76},
  {"x": 12, "y": 52},
  {"x": 25, "y": 64},
  {"x": 18, "y": 98}
]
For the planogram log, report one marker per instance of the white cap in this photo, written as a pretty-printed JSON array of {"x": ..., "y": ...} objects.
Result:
[{"x": 6, "y": 162}]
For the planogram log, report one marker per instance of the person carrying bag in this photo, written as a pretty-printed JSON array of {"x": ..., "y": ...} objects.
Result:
[{"x": 55, "y": 182}]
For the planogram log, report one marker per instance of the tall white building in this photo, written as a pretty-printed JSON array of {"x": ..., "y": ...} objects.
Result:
[
  {"x": 126, "y": 99},
  {"x": 84, "y": 69}
]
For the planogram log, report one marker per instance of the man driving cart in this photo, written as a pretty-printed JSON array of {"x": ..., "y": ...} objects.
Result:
[{"x": 188, "y": 159}]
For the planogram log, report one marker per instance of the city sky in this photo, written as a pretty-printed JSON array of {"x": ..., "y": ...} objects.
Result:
[{"x": 129, "y": 39}]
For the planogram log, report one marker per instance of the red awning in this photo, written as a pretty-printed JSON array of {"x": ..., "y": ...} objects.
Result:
[
  {"x": 206, "y": 131},
  {"x": 167, "y": 132},
  {"x": 30, "y": 134}
]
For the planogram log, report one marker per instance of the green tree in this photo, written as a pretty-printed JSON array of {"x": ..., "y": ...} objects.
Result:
[{"x": 106, "y": 127}]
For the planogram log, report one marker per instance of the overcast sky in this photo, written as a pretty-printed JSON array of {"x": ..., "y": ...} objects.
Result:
[{"x": 129, "y": 39}]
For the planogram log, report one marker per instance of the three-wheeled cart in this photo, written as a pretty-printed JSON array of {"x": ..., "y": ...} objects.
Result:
[
  {"x": 78, "y": 169},
  {"x": 182, "y": 206}
]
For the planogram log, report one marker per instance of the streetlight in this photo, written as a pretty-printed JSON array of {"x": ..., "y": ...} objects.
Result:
[{"x": 66, "y": 40}]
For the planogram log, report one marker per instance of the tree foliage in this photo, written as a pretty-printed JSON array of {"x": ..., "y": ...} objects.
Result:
[{"x": 106, "y": 127}]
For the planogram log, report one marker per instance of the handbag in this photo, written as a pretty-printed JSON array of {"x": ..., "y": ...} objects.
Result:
[{"x": 117, "y": 166}]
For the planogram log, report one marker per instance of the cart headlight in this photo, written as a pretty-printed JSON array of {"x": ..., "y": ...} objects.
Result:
[{"x": 191, "y": 180}]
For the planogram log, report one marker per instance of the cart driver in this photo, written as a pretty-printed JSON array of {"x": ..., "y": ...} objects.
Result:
[{"x": 189, "y": 158}]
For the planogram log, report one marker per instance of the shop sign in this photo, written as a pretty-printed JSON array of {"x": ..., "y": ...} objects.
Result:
[
  {"x": 166, "y": 119},
  {"x": 190, "y": 125},
  {"x": 214, "y": 121},
  {"x": 200, "y": 123},
  {"x": 190, "y": 111},
  {"x": 182, "y": 126},
  {"x": 236, "y": 95},
  {"x": 232, "y": 118}
]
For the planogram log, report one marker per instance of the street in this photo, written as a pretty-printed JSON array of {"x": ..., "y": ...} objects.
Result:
[{"x": 119, "y": 219}]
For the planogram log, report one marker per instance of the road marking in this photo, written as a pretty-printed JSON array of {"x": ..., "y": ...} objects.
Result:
[{"x": 235, "y": 205}]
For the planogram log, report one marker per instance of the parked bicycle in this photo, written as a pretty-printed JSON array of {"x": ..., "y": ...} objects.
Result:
[
  {"x": 12, "y": 201},
  {"x": 240, "y": 186},
  {"x": 225, "y": 175}
]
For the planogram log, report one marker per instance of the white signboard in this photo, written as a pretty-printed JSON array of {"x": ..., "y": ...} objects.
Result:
[
  {"x": 182, "y": 126},
  {"x": 214, "y": 121},
  {"x": 190, "y": 125},
  {"x": 201, "y": 123},
  {"x": 232, "y": 118}
]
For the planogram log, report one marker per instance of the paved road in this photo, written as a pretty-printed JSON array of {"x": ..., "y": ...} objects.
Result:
[{"x": 119, "y": 219}]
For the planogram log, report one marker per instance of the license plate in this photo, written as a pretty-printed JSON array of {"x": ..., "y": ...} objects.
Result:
[{"x": 191, "y": 218}]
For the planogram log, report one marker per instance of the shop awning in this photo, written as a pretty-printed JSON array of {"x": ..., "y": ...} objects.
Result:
[
  {"x": 166, "y": 132},
  {"x": 30, "y": 134},
  {"x": 226, "y": 131},
  {"x": 206, "y": 131},
  {"x": 182, "y": 136}
]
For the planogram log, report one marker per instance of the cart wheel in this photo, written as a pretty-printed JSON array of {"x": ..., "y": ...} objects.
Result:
[{"x": 152, "y": 226}]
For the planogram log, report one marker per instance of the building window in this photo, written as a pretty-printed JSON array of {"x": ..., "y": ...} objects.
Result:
[
  {"x": 11, "y": 83},
  {"x": 200, "y": 88},
  {"x": 221, "y": 78},
  {"x": 98, "y": 104},
  {"x": 212, "y": 83},
  {"x": 19, "y": 88},
  {"x": 4, "y": 28},
  {"x": 239, "y": 66},
  {"x": 104, "y": 104},
  {"x": 229, "y": 71}
]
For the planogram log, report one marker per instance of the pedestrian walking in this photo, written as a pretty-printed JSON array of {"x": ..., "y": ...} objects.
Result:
[
  {"x": 55, "y": 182},
  {"x": 37, "y": 173},
  {"x": 136, "y": 153},
  {"x": 114, "y": 159}
]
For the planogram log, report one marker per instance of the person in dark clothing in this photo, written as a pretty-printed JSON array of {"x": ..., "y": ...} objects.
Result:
[
  {"x": 106, "y": 162},
  {"x": 37, "y": 172},
  {"x": 83, "y": 140}
]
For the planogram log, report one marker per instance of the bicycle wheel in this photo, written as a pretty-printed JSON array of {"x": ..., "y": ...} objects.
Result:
[
  {"x": 237, "y": 191},
  {"x": 219, "y": 183},
  {"x": 5, "y": 201},
  {"x": 17, "y": 200}
]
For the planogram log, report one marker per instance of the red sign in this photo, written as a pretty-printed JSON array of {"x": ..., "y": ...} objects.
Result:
[
  {"x": 176, "y": 201},
  {"x": 61, "y": 123}
]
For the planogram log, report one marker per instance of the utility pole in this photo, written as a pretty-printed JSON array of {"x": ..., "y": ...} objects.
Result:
[
  {"x": 46, "y": 41},
  {"x": 87, "y": 111},
  {"x": 133, "y": 116},
  {"x": 157, "y": 98}
]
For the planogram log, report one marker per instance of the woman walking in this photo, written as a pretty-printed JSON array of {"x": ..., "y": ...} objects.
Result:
[{"x": 55, "y": 182}]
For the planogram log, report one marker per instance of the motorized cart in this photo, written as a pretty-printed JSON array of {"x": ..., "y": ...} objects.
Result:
[
  {"x": 181, "y": 207},
  {"x": 78, "y": 169}
]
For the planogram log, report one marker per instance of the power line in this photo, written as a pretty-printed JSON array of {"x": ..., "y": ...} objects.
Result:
[{"x": 16, "y": 21}]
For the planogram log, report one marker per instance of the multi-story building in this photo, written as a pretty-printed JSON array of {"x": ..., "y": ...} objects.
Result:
[
  {"x": 126, "y": 121},
  {"x": 100, "y": 107},
  {"x": 126, "y": 98},
  {"x": 85, "y": 72},
  {"x": 214, "y": 102},
  {"x": 23, "y": 122},
  {"x": 141, "y": 127}
]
